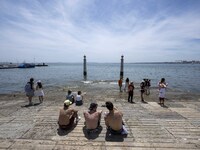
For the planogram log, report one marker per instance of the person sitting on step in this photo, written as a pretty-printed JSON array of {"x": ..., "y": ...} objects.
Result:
[
  {"x": 92, "y": 118},
  {"x": 113, "y": 120},
  {"x": 67, "y": 116}
]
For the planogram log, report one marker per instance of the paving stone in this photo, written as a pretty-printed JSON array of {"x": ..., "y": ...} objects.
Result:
[{"x": 5, "y": 144}]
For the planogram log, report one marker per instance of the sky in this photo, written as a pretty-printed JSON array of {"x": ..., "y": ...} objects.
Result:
[{"x": 103, "y": 30}]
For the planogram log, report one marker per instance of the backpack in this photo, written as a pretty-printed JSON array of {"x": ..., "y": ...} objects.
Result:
[{"x": 27, "y": 88}]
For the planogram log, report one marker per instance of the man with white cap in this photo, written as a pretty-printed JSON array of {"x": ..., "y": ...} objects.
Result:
[{"x": 67, "y": 116}]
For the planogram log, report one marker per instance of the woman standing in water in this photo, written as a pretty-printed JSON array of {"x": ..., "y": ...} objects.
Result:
[
  {"x": 126, "y": 85},
  {"x": 39, "y": 91},
  {"x": 162, "y": 89}
]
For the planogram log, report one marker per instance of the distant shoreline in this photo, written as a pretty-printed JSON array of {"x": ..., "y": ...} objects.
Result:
[
  {"x": 170, "y": 62},
  {"x": 184, "y": 62}
]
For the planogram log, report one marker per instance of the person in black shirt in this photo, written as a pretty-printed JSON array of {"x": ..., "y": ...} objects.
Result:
[
  {"x": 130, "y": 92},
  {"x": 142, "y": 90}
]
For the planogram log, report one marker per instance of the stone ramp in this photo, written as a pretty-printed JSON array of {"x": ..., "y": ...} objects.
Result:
[
  {"x": 24, "y": 144},
  {"x": 150, "y": 127}
]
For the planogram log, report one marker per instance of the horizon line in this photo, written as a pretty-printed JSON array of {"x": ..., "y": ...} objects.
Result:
[{"x": 149, "y": 62}]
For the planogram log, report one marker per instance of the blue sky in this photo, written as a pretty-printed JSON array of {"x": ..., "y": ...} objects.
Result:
[{"x": 103, "y": 30}]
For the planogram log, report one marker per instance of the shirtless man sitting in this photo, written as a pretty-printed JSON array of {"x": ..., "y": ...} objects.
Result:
[
  {"x": 113, "y": 120},
  {"x": 67, "y": 116},
  {"x": 92, "y": 118}
]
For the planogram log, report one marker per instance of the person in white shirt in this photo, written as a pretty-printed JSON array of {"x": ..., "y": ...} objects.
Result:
[
  {"x": 79, "y": 99},
  {"x": 39, "y": 91},
  {"x": 162, "y": 90}
]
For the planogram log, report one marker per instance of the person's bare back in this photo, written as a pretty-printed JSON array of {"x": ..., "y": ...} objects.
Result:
[
  {"x": 114, "y": 120},
  {"x": 65, "y": 116},
  {"x": 92, "y": 119}
]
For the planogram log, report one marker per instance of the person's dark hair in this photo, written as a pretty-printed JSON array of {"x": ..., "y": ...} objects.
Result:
[
  {"x": 31, "y": 79},
  {"x": 79, "y": 92},
  {"x": 31, "y": 82},
  {"x": 109, "y": 105},
  {"x": 163, "y": 80},
  {"x": 69, "y": 92},
  {"x": 39, "y": 84},
  {"x": 127, "y": 79},
  {"x": 93, "y": 106}
]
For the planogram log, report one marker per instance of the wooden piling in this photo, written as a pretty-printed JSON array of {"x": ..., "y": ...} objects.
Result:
[
  {"x": 84, "y": 67},
  {"x": 122, "y": 67}
]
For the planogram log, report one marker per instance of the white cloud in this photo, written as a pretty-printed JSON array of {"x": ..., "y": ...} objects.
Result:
[{"x": 56, "y": 30}]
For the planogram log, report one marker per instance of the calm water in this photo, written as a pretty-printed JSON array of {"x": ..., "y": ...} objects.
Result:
[{"x": 183, "y": 77}]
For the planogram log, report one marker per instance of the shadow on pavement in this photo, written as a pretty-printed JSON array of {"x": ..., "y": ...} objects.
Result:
[
  {"x": 114, "y": 137},
  {"x": 28, "y": 105},
  {"x": 92, "y": 134},
  {"x": 63, "y": 132}
]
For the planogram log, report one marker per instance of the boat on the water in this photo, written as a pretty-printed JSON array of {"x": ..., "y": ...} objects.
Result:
[
  {"x": 26, "y": 65},
  {"x": 41, "y": 65},
  {"x": 22, "y": 65},
  {"x": 8, "y": 66}
]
